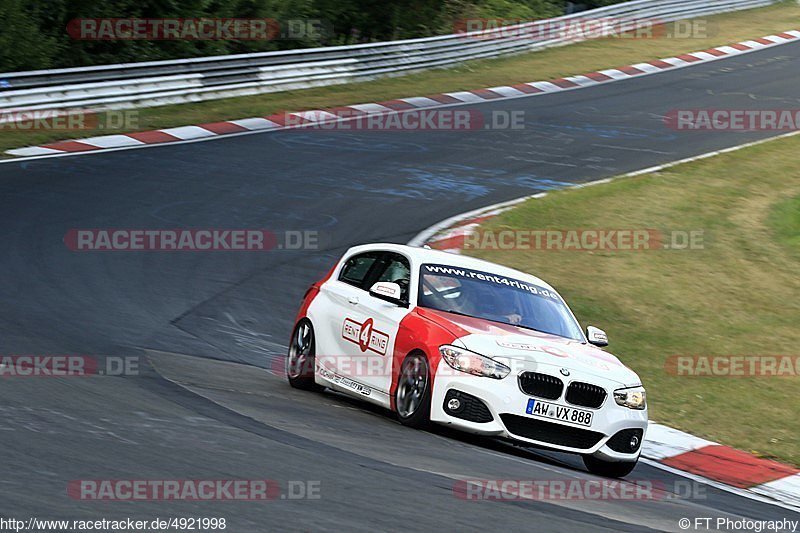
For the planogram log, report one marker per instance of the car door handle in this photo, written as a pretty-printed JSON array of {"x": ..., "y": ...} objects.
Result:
[{"x": 353, "y": 300}]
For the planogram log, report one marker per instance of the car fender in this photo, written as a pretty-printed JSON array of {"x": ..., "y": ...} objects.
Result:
[
  {"x": 419, "y": 333},
  {"x": 310, "y": 294}
]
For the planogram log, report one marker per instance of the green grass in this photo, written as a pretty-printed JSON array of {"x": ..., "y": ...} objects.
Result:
[
  {"x": 547, "y": 64},
  {"x": 739, "y": 295},
  {"x": 785, "y": 220}
]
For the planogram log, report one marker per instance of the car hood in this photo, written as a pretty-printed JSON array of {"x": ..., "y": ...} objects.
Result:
[{"x": 528, "y": 348}]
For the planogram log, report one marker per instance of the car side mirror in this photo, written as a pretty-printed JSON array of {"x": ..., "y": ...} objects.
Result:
[
  {"x": 596, "y": 336},
  {"x": 388, "y": 291}
]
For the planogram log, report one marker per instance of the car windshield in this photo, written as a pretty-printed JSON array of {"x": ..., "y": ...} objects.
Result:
[{"x": 497, "y": 298}]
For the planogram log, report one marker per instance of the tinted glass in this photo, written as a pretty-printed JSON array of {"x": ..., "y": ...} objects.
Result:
[
  {"x": 357, "y": 267},
  {"x": 397, "y": 271},
  {"x": 496, "y": 298}
]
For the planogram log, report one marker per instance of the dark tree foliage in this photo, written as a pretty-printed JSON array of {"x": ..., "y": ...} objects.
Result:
[{"x": 33, "y": 33}]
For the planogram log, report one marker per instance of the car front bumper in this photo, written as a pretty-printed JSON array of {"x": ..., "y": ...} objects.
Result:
[{"x": 506, "y": 402}]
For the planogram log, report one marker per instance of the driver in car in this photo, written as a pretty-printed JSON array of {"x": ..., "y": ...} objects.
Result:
[{"x": 475, "y": 301}]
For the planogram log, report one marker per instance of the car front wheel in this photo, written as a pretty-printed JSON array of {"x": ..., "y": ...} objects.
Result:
[
  {"x": 300, "y": 359},
  {"x": 413, "y": 394}
]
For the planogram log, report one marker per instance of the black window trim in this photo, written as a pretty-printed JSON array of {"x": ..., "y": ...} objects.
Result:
[
  {"x": 369, "y": 273},
  {"x": 383, "y": 260},
  {"x": 376, "y": 268}
]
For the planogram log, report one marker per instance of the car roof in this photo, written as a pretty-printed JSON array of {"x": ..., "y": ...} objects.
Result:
[{"x": 428, "y": 255}]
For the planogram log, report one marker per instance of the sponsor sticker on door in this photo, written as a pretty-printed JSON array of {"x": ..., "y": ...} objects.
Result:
[{"x": 365, "y": 335}]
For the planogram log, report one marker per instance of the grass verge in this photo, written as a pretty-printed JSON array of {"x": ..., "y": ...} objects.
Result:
[
  {"x": 738, "y": 295},
  {"x": 548, "y": 64}
]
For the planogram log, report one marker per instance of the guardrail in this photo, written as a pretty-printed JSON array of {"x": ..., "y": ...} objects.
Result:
[{"x": 187, "y": 80}]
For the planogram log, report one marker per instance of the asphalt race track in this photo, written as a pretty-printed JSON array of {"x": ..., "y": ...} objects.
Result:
[{"x": 194, "y": 411}]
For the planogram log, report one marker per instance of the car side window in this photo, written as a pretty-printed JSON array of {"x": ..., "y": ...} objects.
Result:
[
  {"x": 356, "y": 268},
  {"x": 396, "y": 270}
]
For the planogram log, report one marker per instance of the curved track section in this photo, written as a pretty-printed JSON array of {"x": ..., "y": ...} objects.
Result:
[{"x": 192, "y": 413}]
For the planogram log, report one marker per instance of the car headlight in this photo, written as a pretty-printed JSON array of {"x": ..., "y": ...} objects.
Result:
[
  {"x": 473, "y": 363},
  {"x": 632, "y": 398}
]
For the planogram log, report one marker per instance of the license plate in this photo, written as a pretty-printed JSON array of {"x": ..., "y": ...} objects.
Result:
[{"x": 559, "y": 412}]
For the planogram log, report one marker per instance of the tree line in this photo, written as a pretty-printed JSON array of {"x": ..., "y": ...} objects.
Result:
[{"x": 42, "y": 34}]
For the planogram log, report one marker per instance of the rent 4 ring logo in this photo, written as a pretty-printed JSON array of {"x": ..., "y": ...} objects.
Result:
[{"x": 365, "y": 335}]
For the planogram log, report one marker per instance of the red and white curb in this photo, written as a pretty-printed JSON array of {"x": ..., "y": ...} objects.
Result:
[
  {"x": 727, "y": 466},
  {"x": 301, "y": 119},
  {"x": 450, "y": 235},
  {"x": 679, "y": 452},
  {"x": 671, "y": 448}
]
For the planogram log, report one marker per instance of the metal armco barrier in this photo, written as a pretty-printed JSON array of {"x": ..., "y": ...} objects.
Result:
[{"x": 189, "y": 80}]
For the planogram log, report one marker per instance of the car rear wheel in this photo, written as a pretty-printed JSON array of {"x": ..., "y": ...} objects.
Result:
[
  {"x": 608, "y": 468},
  {"x": 300, "y": 359},
  {"x": 413, "y": 394}
]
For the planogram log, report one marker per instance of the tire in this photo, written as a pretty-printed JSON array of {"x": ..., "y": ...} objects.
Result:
[
  {"x": 412, "y": 399},
  {"x": 300, "y": 359},
  {"x": 607, "y": 468}
]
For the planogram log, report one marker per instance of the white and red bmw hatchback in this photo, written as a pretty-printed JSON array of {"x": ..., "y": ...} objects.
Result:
[{"x": 449, "y": 339}]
